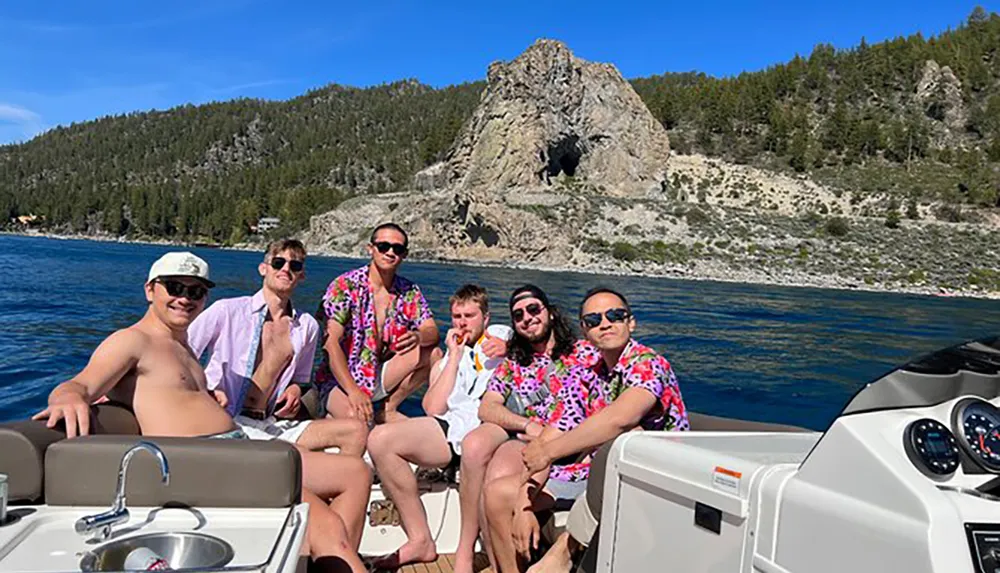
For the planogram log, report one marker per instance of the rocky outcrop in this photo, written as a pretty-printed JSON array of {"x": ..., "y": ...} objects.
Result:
[
  {"x": 549, "y": 127},
  {"x": 548, "y": 115},
  {"x": 940, "y": 94}
]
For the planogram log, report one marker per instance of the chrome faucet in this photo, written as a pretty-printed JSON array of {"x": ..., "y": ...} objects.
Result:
[{"x": 118, "y": 513}]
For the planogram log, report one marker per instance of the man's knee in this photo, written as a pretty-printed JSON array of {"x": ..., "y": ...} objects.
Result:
[
  {"x": 477, "y": 449},
  {"x": 498, "y": 495},
  {"x": 355, "y": 434},
  {"x": 358, "y": 472},
  {"x": 380, "y": 440}
]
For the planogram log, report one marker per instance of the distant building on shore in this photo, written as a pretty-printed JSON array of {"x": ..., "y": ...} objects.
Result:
[{"x": 265, "y": 224}]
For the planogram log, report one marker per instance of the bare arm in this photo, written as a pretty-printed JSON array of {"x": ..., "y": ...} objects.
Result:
[
  {"x": 428, "y": 332},
  {"x": 619, "y": 417},
  {"x": 276, "y": 354},
  {"x": 492, "y": 410},
  {"x": 338, "y": 361},
  {"x": 113, "y": 359},
  {"x": 442, "y": 380}
]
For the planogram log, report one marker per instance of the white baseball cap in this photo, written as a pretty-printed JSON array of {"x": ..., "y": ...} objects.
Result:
[{"x": 180, "y": 264}]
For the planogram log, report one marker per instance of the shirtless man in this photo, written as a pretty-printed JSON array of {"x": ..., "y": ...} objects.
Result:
[
  {"x": 149, "y": 367},
  {"x": 261, "y": 355},
  {"x": 379, "y": 334}
]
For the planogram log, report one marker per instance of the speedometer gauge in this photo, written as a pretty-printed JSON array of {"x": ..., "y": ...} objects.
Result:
[{"x": 977, "y": 425}]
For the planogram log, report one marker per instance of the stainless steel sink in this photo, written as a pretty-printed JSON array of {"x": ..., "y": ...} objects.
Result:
[{"x": 180, "y": 550}]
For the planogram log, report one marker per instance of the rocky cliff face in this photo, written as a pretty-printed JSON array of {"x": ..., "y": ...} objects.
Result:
[
  {"x": 548, "y": 115},
  {"x": 549, "y": 126}
]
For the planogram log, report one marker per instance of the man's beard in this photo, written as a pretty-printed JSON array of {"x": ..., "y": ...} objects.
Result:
[{"x": 543, "y": 336}]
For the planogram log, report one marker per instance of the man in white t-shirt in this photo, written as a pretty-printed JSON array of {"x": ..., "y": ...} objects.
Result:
[{"x": 457, "y": 383}]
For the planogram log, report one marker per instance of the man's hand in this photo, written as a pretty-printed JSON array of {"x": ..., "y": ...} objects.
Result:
[
  {"x": 536, "y": 456},
  {"x": 70, "y": 407},
  {"x": 454, "y": 340},
  {"x": 406, "y": 342},
  {"x": 494, "y": 347},
  {"x": 276, "y": 340},
  {"x": 526, "y": 533},
  {"x": 292, "y": 397},
  {"x": 220, "y": 397},
  {"x": 361, "y": 405}
]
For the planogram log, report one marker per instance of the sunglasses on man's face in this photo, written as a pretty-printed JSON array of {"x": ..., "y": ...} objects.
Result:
[
  {"x": 594, "y": 319},
  {"x": 278, "y": 263},
  {"x": 179, "y": 289},
  {"x": 384, "y": 246},
  {"x": 534, "y": 309}
]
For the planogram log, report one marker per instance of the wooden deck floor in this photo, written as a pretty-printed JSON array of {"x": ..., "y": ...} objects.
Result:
[{"x": 445, "y": 564}]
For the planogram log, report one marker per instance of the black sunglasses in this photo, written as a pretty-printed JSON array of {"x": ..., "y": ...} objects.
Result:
[
  {"x": 594, "y": 319},
  {"x": 384, "y": 246},
  {"x": 534, "y": 309},
  {"x": 278, "y": 263},
  {"x": 179, "y": 289}
]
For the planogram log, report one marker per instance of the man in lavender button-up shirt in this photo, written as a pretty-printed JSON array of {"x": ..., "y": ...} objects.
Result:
[{"x": 261, "y": 354}]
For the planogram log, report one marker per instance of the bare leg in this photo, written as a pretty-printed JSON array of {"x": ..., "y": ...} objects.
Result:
[
  {"x": 337, "y": 405},
  {"x": 348, "y": 434},
  {"x": 477, "y": 449},
  {"x": 344, "y": 479},
  {"x": 403, "y": 374},
  {"x": 393, "y": 447},
  {"x": 559, "y": 557},
  {"x": 504, "y": 476},
  {"x": 327, "y": 539}
]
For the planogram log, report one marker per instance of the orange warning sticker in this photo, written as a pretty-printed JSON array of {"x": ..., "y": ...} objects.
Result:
[{"x": 727, "y": 480}]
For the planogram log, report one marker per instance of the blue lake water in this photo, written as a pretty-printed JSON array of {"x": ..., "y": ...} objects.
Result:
[{"x": 780, "y": 354}]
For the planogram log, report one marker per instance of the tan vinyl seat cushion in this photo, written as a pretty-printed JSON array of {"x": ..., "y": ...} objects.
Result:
[{"x": 204, "y": 472}]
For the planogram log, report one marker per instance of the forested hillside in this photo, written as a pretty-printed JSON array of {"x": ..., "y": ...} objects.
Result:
[{"x": 919, "y": 117}]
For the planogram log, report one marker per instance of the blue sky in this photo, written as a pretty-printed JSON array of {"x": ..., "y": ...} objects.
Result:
[{"x": 70, "y": 61}]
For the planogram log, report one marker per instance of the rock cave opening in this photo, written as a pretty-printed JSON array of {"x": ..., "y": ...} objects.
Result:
[
  {"x": 563, "y": 157},
  {"x": 477, "y": 229}
]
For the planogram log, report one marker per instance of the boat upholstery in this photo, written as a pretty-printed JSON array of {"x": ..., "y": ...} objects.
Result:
[
  {"x": 44, "y": 467},
  {"x": 203, "y": 472},
  {"x": 23, "y": 444}
]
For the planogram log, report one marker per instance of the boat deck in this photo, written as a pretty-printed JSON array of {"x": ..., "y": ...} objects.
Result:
[{"x": 445, "y": 564}]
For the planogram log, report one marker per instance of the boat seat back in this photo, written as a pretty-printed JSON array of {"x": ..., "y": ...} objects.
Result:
[
  {"x": 23, "y": 444},
  {"x": 706, "y": 423},
  {"x": 204, "y": 472}
]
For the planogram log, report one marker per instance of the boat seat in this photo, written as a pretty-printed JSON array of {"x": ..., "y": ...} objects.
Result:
[
  {"x": 204, "y": 472},
  {"x": 23, "y": 444},
  {"x": 706, "y": 423},
  {"x": 44, "y": 467}
]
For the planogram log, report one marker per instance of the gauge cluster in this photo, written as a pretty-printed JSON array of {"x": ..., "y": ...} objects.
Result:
[
  {"x": 976, "y": 424},
  {"x": 937, "y": 450}
]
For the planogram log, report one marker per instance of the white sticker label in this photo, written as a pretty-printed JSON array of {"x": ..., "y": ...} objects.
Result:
[{"x": 726, "y": 480}]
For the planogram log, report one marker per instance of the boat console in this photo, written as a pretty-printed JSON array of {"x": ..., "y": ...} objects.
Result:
[{"x": 907, "y": 478}]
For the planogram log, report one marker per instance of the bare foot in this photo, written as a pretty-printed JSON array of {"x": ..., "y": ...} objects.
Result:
[
  {"x": 556, "y": 560},
  {"x": 410, "y": 552}
]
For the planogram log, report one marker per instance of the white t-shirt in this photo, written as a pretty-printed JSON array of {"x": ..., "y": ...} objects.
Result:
[{"x": 474, "y": 372}]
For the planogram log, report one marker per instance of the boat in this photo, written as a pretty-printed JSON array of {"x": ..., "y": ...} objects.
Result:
[{"x": 904, "y": 479}]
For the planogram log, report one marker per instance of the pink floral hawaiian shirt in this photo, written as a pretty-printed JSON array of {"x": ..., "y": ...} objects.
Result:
[{"x": 349, "y": 300}]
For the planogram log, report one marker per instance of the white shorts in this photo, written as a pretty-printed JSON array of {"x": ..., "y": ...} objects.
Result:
[{"x": 272, "y": 428}]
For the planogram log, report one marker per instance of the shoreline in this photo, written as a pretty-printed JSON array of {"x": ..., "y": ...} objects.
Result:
[{"x": 757, "y": 278}]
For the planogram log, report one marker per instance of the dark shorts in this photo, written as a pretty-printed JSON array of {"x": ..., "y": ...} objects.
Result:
[{"x": 455, "y": 458}]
